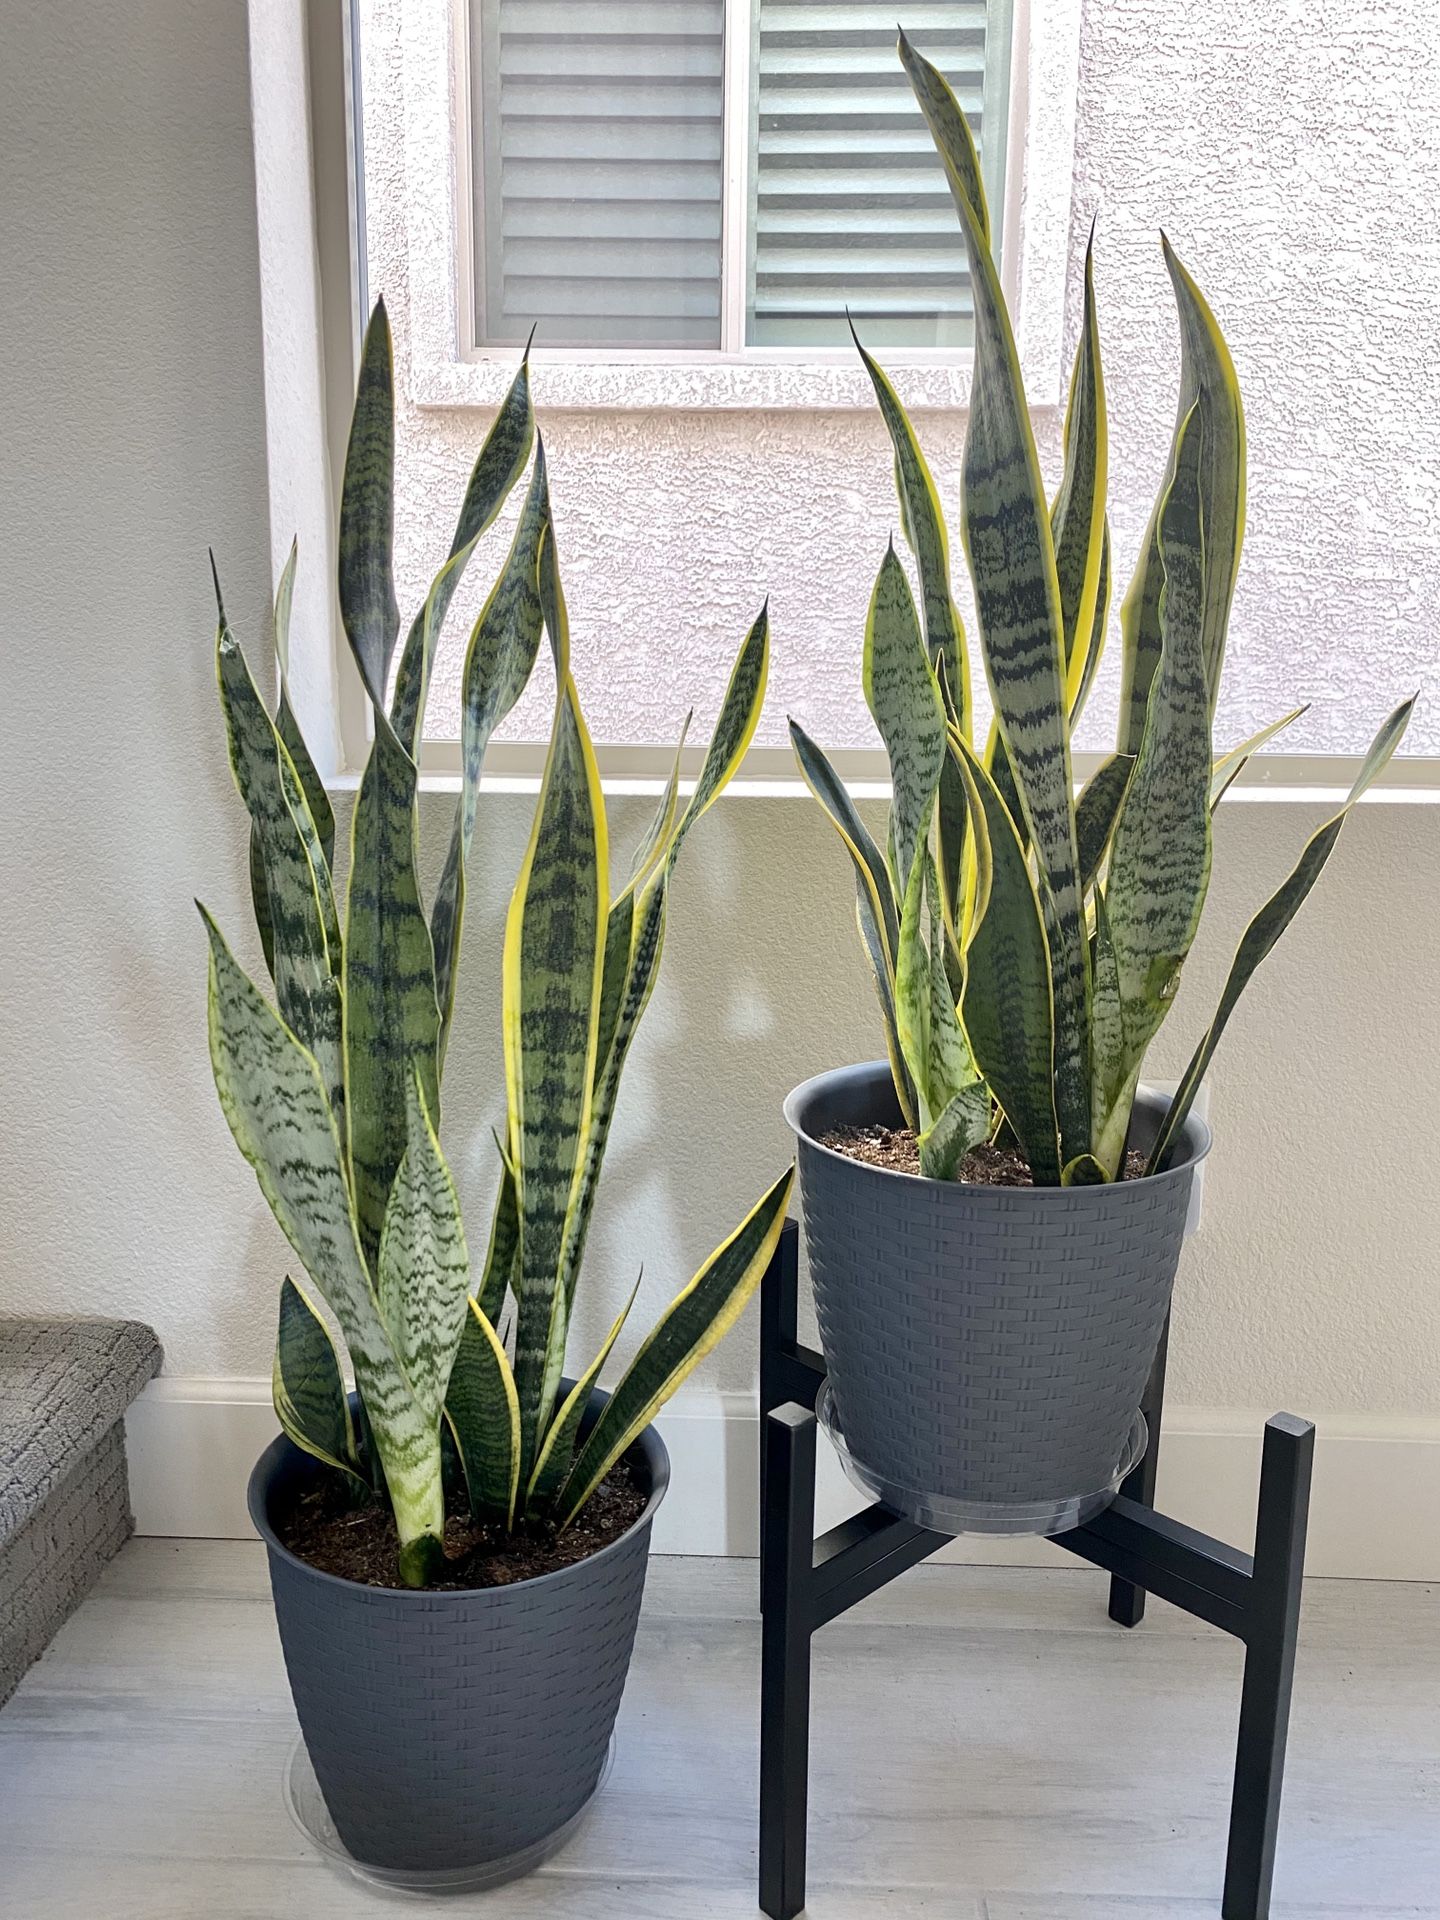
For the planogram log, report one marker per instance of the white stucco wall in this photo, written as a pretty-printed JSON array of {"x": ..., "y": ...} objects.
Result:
[
  {"x": 132, "y": 397},
  {"x": 1292, "y": 153}
]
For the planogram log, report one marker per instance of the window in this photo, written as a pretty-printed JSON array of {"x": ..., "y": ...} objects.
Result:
[{"x": 721, "y": 175}]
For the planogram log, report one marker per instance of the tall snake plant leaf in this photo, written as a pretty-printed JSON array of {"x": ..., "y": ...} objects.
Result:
[
  {"x": 300, "y": 903},
  {"x": 1094, "y": 653},
  {"x": 1008, "y": 1009},
  {"x": 313, "y": 787},
  {"x": 423, "y": 1272},
  {"x": 501, "y": 1254},
  {"x": 1266, "y": 928},
  {"x": 368, "y": 608},
  {"x": 273, "y": 1098},
  {"x": 695, "y": 1321},
  {"x": 483, "y": 1412},
  {"x": 1207, "y": 380},
  {"x": 954, "y": 1102},
  {"x": 309, "y": 1388},
  {"x": 392, "y": 1019},
  {"x": 903, "y": 696},
  {"x": 875, "y": 897},
  {"x": 950, "y": 131},
  {"x": 1160, "y": 853},
  {"x": 617, "y": 1021},
  {"x": 1017, "y": 600},
  {"x": 553, "y": 970},
  {"x": 1077, "y": 518},
  {"x": 1229, "y": 766},
  {"x": 1116, "y": 1073},
  {"x": 499, "y": 464},
  {"x": 1096, "y": 812},
  {"x": 498, "y": 663},
  {"x": 557, "y": 1455}
]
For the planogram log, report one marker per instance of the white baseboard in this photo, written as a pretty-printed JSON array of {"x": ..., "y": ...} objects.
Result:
[{"x": 1375, "y": 1510}]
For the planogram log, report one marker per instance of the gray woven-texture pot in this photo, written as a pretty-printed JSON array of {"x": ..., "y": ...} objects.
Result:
[
  {"x": 984, "y": 1344},
  {"x": 450, "y": 1730}
]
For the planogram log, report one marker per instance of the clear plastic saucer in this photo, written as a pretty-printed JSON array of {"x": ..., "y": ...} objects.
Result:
[
  {"x": 942, "y": 1513},
  {"x": 306, "y": 1806}
]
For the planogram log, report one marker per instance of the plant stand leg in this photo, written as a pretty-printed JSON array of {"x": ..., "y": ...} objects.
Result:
[
  {"x": 1127, "y": 1601},
  {"x": 788, "y": 1522},
  {"x": 1269, "y": 1665}
]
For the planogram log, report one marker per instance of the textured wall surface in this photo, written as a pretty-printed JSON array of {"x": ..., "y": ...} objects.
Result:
[
  {"x": 132, "y": 401},
  {"x": 1292, "y": 153}
]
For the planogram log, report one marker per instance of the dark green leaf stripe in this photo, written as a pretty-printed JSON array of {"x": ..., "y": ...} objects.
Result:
[
  {"x": 950, "y": 131},
  {"x": 368, "y": 608},
  {"x": 699, "y": 1316},
  {"x": 1266, "y": 928},
  {"x": 499, "y": 465},
  {"x": 500, "y": 1255},
  {"x": 1160, "y": 852},
  {"x": 392, "y": 1021},
  {"x": 1077, "y": 519},
  {"x": 1008, "y": 1007},
  {"x": 554, "y": 959},
  {"x": 498, "y": 663},
  {"x": 904, "y": 702},
  {"x": 423, "y": 1272},
  {"x": 1096, "y": 812},
  {"x": 1017, "y": 599},
  {"x": 272, "y": 1097},
  {"x": 308, "y": 1386},
  {"x": 557, "y": 1455},
  {"x": 923, "y": 524},
  {"x": 484, "y": 1417},
  {"x": 619, "y": 931},
  {"x": 297, "y": 911}
]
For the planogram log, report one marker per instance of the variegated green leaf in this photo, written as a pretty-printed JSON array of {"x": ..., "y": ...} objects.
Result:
[
  {"x": 1096, "y": 649},
  {"x": 1017, "y": 600},
  {"x": 1008, "y": 1009},
  {"x": 1083, "y": 1171},
  {"x": 904, "y": 701},
  {"x": 423, "y": 1273},
  {"x": 734, "y": 729},
  {"x": 658, "y": 833},
  {"x": 392, "y": 1020},
  {"x": 1229, "y": 766},
  {"x": 950, "y": 131},
  {"x": 500, "y": 463},
  {"x": 962, "y": 1124},
  {"x": 498, "y": 664},
  {"x": 300, "y": 904},
  {"x": 557, "y": 1455},
  {"x": 309, "y": 1387},
  {"x": 912, "y": 991},
  {"x": 368, "y": 608},
  {"x": 699, "y": 1316},
  {"x": 1096, "y": 812},
  {"x": 1266, "y": 928},
  {"x": 272, "y": 1096},
  {"x": 1116, "y": 1074},
  {"x": 483, "y": 1412},
  {"x": 1160, "y": 851},
  {"x": 553, "y": 971},
  {"x": 1077, "y": 519},
  {"x": 1207, "y": 381},
  {"x": 501, "y": 1254},
  {"x": 923, "y": 523}
]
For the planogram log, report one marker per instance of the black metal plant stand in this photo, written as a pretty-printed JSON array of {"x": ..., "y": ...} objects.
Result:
[{"x": 805, "y": 1582}]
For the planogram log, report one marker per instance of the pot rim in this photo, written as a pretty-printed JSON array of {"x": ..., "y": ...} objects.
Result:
[
  {"x": 1197, "y": 1132},
  {"x": 656, "y": 1453}
]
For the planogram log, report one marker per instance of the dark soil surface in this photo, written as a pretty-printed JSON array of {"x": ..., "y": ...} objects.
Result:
[
  {"x": 898, "y": 1150},
  {"x": 359, "y": 1542}
]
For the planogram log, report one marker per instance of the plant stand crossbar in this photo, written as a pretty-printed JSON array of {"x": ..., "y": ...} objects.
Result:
[{"x": 805, "y": 1582}]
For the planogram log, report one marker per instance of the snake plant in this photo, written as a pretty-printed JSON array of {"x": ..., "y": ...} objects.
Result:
[
  {"x": 1026, "y": 946},
  {"x": 333, "y": 1093}
]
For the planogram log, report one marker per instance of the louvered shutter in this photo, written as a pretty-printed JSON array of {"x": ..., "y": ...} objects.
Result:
[
  {"x": 598, "y": 170},
  {"x": 849, "y": 205}
]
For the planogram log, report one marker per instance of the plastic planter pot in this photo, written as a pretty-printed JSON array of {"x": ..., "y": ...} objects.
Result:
[
  {"x": 455, "y": 1731},
  {"x": 987, "y": 1347}
]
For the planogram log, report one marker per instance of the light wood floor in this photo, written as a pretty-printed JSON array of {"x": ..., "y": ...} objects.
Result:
[{"x": 987, "y": 1747}]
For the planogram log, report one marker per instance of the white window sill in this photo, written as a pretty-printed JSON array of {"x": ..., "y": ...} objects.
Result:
[{"x": 690, "y": 383}]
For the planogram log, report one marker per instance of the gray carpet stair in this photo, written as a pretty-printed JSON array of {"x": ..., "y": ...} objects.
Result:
[{"x": 64, "y": 1497}]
